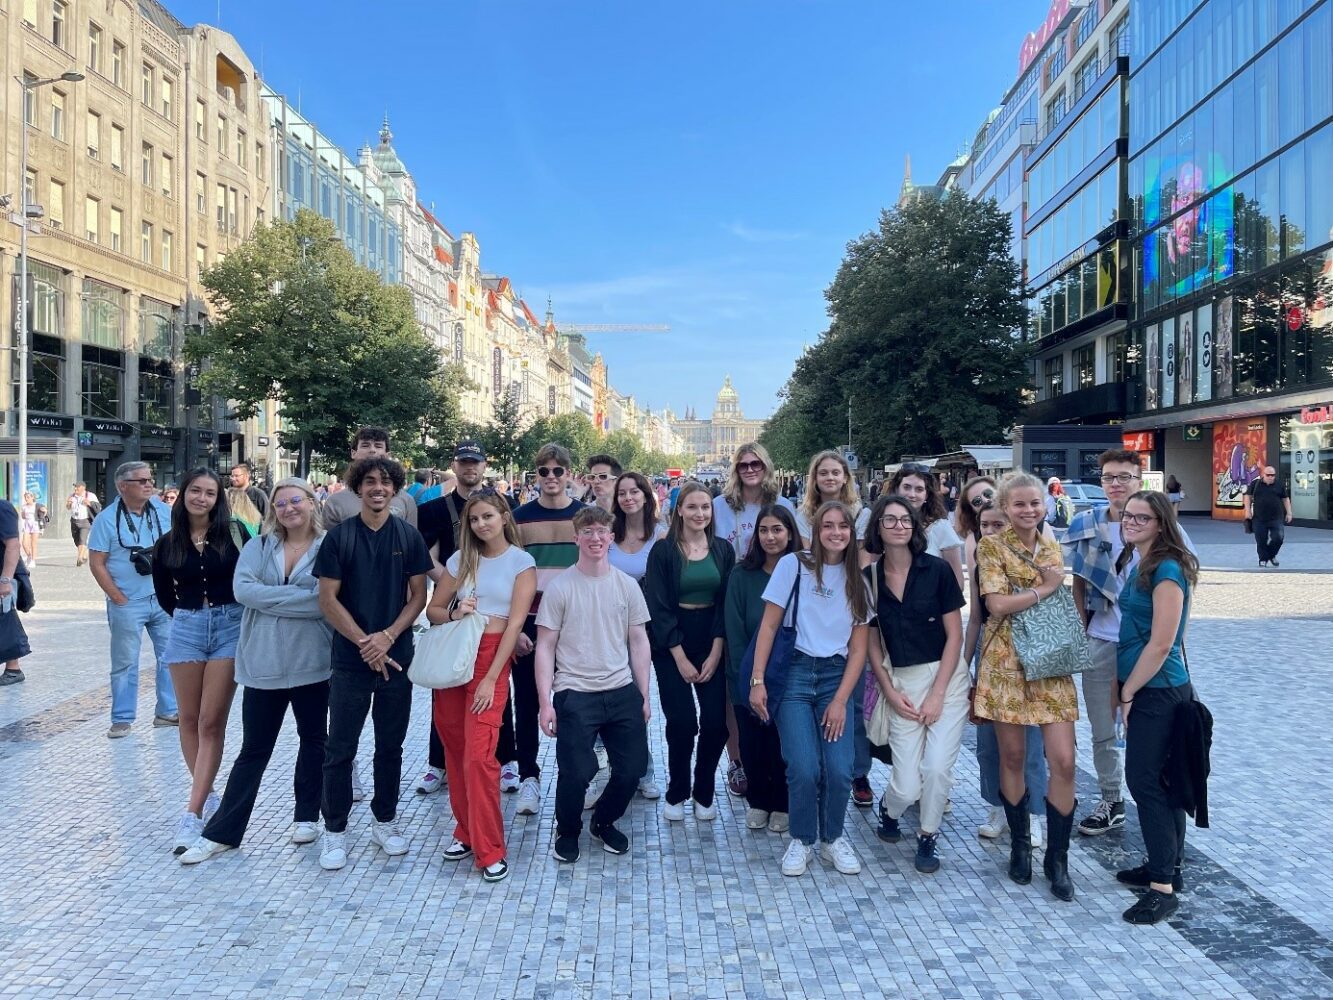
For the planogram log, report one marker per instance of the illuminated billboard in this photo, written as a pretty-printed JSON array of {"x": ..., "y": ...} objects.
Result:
[{"x": 1198, "y": 246}]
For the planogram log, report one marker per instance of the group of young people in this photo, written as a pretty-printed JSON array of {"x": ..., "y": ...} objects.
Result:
[{"x": 808, "y": 639}]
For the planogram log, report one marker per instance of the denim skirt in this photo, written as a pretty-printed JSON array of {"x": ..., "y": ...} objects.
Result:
[{"x": 205, "y": 634}]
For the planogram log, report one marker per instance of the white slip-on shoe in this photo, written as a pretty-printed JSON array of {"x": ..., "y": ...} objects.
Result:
[
  {"x": 673, "y": 812},
  {"x": 704, "y": 812}
]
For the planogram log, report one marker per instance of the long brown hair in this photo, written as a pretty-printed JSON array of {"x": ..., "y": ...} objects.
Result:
[
  {"x": 649, "y": 513},
  {"x": 848, "y": 495},
  {"x": 469, "y": 545},
  {"x": 1169, "y": 543},
  {"x": 734, "y": 491},
  {"x": 676, "y": 533},
  {"x": 851, "y": 561},
  {"x": 933, "y": 508},
  {"x": 968, "y": 517}
]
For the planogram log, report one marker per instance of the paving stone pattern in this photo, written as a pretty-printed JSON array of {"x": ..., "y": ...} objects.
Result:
[{"x": 92, "y": 903}]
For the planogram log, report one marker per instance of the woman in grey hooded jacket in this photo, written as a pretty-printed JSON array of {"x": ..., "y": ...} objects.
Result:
[{"x": 282, "y": 659}]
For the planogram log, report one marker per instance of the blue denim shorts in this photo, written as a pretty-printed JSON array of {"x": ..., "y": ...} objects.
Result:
[{"x": 206, "y": 634}]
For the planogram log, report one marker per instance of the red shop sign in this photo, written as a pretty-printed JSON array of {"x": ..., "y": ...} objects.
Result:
[{"x": 1138, "y": 440}]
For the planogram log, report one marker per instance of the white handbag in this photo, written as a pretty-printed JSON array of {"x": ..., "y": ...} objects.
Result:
[{"x": 446, "y": 654}]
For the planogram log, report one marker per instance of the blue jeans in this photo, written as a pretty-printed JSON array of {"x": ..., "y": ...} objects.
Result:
[
  {"x": 1034, "y": 771},
  {"x": 127, "y": 624},
  {"x": 819, "y": 772},
  {"x": 860, "y": 743}
]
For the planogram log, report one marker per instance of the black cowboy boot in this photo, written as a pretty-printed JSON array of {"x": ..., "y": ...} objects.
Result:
[
  {"x": 1056, "y": 865},
  {"x": 1020, "y": 839}
]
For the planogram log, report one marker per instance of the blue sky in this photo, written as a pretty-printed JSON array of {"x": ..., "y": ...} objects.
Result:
[{"x": 701, "y": 164}]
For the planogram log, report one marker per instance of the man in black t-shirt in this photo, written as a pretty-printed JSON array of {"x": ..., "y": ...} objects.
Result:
[
  {"x": 372, "y": 586},
  {"x": 1268, "y": 508}
]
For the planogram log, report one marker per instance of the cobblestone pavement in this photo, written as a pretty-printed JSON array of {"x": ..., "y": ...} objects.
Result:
[{"x": 93, "y": 904}]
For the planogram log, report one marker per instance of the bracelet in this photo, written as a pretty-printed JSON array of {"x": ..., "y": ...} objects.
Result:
[
  {"x": 1126, "y": 701},
  {"x": 388, "y": 635},
  {"x": 1036, "y": 595}
]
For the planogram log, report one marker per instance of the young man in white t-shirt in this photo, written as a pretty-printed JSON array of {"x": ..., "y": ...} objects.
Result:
[{"x": 592, "y": 665}]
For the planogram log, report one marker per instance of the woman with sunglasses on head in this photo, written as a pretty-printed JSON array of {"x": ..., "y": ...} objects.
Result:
[
  {"x": 1018, "y": 568},
  {"x": 685, "y": 585},
  {"x": 775, "y": 536},
  {"x": 919, "y": 635},
  {"x": 918, "y": 486},
  {"x": 282, "y": 659},
  {"x": 490, "y": 575},
  {"x": 193, "y": 567},
  {"x": 1154, "y": 682},
  {"x": 827, "y": 595},
  {"x": 634, "y": 533},
  {"x": 978, "y": 517}
]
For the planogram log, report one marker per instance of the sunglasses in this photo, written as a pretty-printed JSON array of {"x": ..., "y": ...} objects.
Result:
[
  {"x": 546, "y": 471},
  {"x": 916, "y": 467},
  {"x": 755, "y": 466},
  {"x": 599, "y": 477},
  {"x": 982, "y": 498}
]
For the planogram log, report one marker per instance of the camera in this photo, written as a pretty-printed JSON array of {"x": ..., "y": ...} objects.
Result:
[{"x": 142, "y": 559}]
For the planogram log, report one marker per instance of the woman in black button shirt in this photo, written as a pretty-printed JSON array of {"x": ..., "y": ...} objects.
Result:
[
  {"x": 917, "y": 602},
  {"x": 193, "y": 565}
]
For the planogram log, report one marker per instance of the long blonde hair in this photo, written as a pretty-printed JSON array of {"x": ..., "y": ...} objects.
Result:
[
  {"x": 271, "y": 525},
  {"x": 733, "y": 492},
  {"x": 469, "y": 545},
  {"x": 851, "y": 560},
  {"x": 848, "y": 495},
  {"x": 242, "y": 507}
]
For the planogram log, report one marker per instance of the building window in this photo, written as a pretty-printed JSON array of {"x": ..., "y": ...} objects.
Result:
[
  {"x": 30, "y": 13},
  {"x": 1089, "y": 466},
  {"x": 221, "y": 207},
  {"x": 201, "y": 194},
  {"x": 94, "y": 47},
  {"x": 57, "y": 115},
  {"x": 1118, "y": 38},
  {"x": 168, "y": 98},
  {"x": 102, "y": 370},
  {"x": 1085, "y": 27},
  {"x": 240, "y": 146},
  {"x": 29, "y": 99},
  {"x": 91, "y": 213},
  {"x": 1054, "y": 376},
  {"x": 1085, "y": 366},
  {"x": 200, "y": 259},
  {"x": 117, "y": 148},
  {"x": 1055, "y": 110},
  {"x": 1085, "y": 76},
  {"x": 58, "y": 9},
  {"x": 157, "y": 390},
  {"x": 168, "y": 170},
  {"x": 102, "y": 314},
  {"x": 156, "y": 322},
  {"x": 46, "y": 377},
  {"x": 1058, "y": 60},
  {"x": 259, "y": 158},
  {"x": 118, "y": 63},
  {"x": 55, "y": 211},
  {"x": 146, "y": 165},
  {"x": 117, "y": 222},
  {"x": 30, "y": 188},
  {"x": 200, "y": 111},
  {"x": 168, "y": 249},
  {"x": 146, "y": 242},
  {"x": 146, "y": 90},
  {"x": 94, "y": 135},
  {"x": 231, "y": 210},
  {"x": 222, "y": 136},
  {"x": 1049, "y": 463},
  {"x": 1115, "y": 358}
]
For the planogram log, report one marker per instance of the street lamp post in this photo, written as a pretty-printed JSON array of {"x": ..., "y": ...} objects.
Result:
[{"x": 27, "y": 86}]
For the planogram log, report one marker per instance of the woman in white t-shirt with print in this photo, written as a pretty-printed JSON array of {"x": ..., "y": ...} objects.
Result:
[
  {"x": 830, "y": 478},
  {"x": 491, "y": 575},
  {"x": 831, "y": 609},
  {"x": 918, "y": 486}
]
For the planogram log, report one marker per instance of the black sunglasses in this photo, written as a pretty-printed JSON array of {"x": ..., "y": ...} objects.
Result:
[
  {"x": 551, "y": 470},
  {"x": 916, "y": 467}
]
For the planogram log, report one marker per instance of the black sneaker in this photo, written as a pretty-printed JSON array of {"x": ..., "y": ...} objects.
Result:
[
  {"x": 1152, "y": 907},
  {"x": 1106, "y": 817},
  {"x": 927, "y": 862},
  {"x": 1138, "y": 878},
  {"x": 888, "y": 829},
  {"x": 566, "y": 850},
  {"x": 457, "y": 851},
  {"x": 1275, "y": 562},
  {"x": 613, "y": 841},
  {"x": 497, "y": 872},
  {"x": 862, "y": 794}
]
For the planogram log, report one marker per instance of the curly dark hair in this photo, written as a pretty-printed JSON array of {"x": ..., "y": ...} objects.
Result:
[
  {"x": 933, "y": 509},
  {"x": 875, "y": 545},
  {"x": 362, "y": 467}
]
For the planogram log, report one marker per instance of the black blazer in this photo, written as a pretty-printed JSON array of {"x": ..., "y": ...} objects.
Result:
[
  {"x": 1185, "y": 773},
  {"x": 661, "y": 589}
]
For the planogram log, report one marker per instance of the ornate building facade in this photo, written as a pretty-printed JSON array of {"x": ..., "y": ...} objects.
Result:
[{"x": 713, "y": 440}]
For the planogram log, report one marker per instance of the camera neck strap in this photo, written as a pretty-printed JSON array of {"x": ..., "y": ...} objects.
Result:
[{"x": 134, "y": 529}]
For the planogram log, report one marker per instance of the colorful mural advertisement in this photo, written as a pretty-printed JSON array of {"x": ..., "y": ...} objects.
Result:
[{"x": 1239, "y": 447}]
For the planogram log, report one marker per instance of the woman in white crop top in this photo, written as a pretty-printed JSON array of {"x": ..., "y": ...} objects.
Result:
[{"x": 491, "y": 575}]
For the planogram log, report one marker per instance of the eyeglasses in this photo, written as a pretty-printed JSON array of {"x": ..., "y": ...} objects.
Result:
[
  {"x": 982, "y": 498},
  {"x": 1119, "y": 478},
  {"x": 889, "y": 521},
  {"x": 599, "y": 477},
  {"x": 545, "y": 471},
  {"x": 138, "y": 482},
  {"x": 1138, "y": 519},
  {"x": 594, "y": 532},
  {"x": 294, "y": 503},
  {"x": 755, "y": 466}
]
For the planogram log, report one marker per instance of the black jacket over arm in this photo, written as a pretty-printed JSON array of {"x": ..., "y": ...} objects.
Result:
[{"x": 661, "y": 588}]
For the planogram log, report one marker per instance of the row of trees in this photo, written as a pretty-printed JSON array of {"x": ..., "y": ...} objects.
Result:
[
  {"x": 302, "y": 323},
  {"x": 924, "y": 344}
]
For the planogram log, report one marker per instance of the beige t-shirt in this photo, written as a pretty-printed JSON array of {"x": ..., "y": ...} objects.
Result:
[
  {"x": 345, "y": 505},
  {"x": 593, "y": 615}
]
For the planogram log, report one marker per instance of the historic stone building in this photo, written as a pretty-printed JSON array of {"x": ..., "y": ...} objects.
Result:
[{"x": 714, "y": 440}]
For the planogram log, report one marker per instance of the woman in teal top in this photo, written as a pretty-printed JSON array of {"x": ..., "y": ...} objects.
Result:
[
  {"x": 1153, "y": 682},
  {"x": 775, "y": 535}
]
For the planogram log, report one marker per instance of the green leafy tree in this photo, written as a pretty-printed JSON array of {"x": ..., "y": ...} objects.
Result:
[
  {"x": 504, "y": 436},
  {"x": 924, "y": 341},
  {"x": 576, "y": 432},
  {"x": 440, "y": 426},
  {"x": 625, "y": 448},
  {"x": 300, "y": 322}
]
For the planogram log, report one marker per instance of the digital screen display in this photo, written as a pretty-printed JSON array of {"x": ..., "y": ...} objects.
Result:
[{"x": 1198, "y": 247}]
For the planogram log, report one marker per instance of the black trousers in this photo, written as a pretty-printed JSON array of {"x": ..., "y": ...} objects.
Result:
[
  {"x": 682, "y": 724},
  {"x": 262, "y": 714},
  {"x": 761, "y": 755},
  {"x": 1147, "y": 741},
  {"x": 1268, "y": 537},
  {"x": 354, "y": 693},
  {"x": 580, "y": 717},
  {"x": 518, "y": 730},
  {"x": 435, "y": 757}
]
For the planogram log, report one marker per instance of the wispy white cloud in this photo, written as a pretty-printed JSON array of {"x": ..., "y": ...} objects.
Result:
[{"x": 754, "y": 234}]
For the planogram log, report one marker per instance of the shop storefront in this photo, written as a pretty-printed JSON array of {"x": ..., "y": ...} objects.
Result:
[{"x": 1306, "y": 462}]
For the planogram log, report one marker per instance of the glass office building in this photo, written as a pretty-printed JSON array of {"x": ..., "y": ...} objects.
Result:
[{"x": 1231, "y": 214}]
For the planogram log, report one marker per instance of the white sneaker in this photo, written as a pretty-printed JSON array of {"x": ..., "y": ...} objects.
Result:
[
  {"x": 673, "y": 813},
  {"x": 756, "y": 819},
  {"x": 603, "y": 762},
  {"x": 1034, "y": 827},
  {"x": 529, "y": 797},
  {"x": 333, "y": 851},
  {"x": 705, "y": 812},
  {"x": 358, "y": 793},
  {"x": 388, "y": 838},
  {"x": 211, "y": 805},
  {"x": 431, "y": 781},
  {"x": 189, "y": 828},
  {"x": 595, "y": 789},
  {"x": 797, "y": 859},
  {"x": 778, "y": 822},
  {"x": 305, "y": 833},
  {"x": 649, "y": 788},
  {"x": 202, "y": 850},
  {"x": 995, "y": 825},
  {"x": 509, "y": 777},
  {"x": 841, "y": 856}
]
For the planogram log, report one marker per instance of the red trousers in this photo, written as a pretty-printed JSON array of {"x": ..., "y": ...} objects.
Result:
[{"x": 469, "y": 756}]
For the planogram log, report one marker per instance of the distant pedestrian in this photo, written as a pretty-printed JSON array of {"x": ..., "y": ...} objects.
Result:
[
  {"x": 13, "y": 639},
  {"x": 30, "y": 527},
  {"x": 243, "y": 509},
  {"x": 592, "y": 668},
  {"x": 82, "y": 506},
  {"x": 1174, "y": 492},
  {"x": 1059, "y": 508},
  {"x": 282, "y": 658},
  {"x": 1268, "y": 509},
  {"x": 242, "y": 478},
  {"x": 372, "y": 586}
]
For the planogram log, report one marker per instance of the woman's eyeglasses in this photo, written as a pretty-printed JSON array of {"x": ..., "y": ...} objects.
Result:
[
  {"x": 755, "y": 466},
  {"x": 294, "y": 503},
  {"x": 982, "y": 498},
  {"x": 889, "y": 521},
  {"x": 1138, "y": 520}
]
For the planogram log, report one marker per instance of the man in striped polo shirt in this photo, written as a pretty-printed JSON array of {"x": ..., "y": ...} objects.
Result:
[{"x": 546, "y": 529}]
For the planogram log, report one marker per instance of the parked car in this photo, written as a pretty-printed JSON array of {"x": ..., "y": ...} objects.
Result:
[{"x": 1086, "y": 496}]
